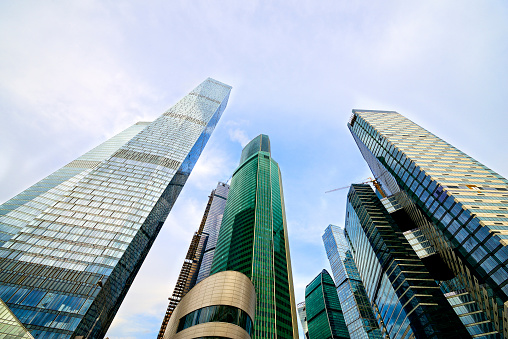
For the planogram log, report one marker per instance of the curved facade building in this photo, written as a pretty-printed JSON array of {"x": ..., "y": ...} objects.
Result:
[
  {"x": 325, "y": 319},
  {"x": 253, "y": 239},
  {"x": 222, "y": 305}
]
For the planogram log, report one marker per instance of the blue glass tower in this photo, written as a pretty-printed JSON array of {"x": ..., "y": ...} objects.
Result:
[
  {"x": 73, "y": 243},
  {"x": 358, "y": 313}
]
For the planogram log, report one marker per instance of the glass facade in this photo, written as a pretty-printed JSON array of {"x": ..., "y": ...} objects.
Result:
[
  {"x": 212, "y": 228},
  {"x": 464, "y": 203},
  {"x": 324, "y": 314},
  {"x": 74, "y": 242},
  {"x": 194, "y": 262},
  {"x": 18, "y": 211},
  {"x": 468, "y": 311},
  {"x": 253, "y": 240},
  {"x": 10, "y": 326},
  {"x": 403, "y": 291},
  {"x": 358, "y": 313},
  {"x": 219, "y": 313},
  {"x": 405, "y": 213},
  {"x": 302, "y": 314}
]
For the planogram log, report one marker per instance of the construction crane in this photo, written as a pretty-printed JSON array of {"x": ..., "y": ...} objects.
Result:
[{"x": 369, "y": 180}]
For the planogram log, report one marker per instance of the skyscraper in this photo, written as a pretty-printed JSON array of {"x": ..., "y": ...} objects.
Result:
[
  {"x": 212, "y": 228},
  {"x": 457, "y": 203},
  {"x": 193, "y": 262},
  {"x": 403, "y": 291},
  {"x": 74, "y": 242},
  {"x": 10, "y": 327},
  {"x": 302, "y": 314},
  {"x": 476, "y": 321},
  {"x": 360, "y": 319},
  {"x": 324, "y": 314},
  {"x": 253, "y": 240}
]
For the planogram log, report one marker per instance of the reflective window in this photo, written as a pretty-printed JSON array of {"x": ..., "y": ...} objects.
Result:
[{"x": 217, "y": 313}]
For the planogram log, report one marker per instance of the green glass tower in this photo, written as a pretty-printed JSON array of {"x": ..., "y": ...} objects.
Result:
[
  {"x": 253, "y": 239},
  {"x": 325, "y": 319}
]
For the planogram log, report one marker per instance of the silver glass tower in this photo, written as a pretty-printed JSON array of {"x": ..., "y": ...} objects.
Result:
[
  {"x": 302, "y": 314},
  {"x": 193, "y": 263},
  {"x": 73, "y": 243},
  {"x": 11, "y": 223},
  {"x": 212, "y": 227}
]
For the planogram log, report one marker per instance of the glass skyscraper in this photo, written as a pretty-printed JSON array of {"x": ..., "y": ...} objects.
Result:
[
  {"x": 358, "y": 314},
  {"x": 194, "y": 262},
  {"x": 324, "y": 314},
  {"x": 458, "y": 204},
  {"x": 10, "y": 327},
  {"x": 302, "y": 314},
  {"x": 253, "y": 240},
  {"x": 73, "y": 243},
  {"x": 476, "y": 321},
  {"x": 212, "y": 228},
  {"x": 403, "y": 291}
]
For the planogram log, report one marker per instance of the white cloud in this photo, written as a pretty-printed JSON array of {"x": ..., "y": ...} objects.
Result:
[
  {"x": 239, "y": 135},
  {"x": 75, "y": 73}
]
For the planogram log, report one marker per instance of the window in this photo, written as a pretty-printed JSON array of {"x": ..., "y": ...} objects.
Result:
[{"x": 217, "y": 313}]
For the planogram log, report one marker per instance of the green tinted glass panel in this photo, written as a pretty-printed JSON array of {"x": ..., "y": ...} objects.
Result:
[
  {"x": 253, "y": 239},
  {"x": 324, "y": 314}
]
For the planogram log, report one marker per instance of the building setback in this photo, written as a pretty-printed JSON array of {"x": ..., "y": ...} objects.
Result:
[
  {"x": 454, "y": 202},
  {"x": 193, "y": 262},
  {"x": 73, "y": 243},
  {"x": 324, "y": 314},
  {"x": 403, "y": 291},
  {"x": 476, "y": 321},
  {"x": 253, "y": 240},
  {"x": 358, "y": 313}
]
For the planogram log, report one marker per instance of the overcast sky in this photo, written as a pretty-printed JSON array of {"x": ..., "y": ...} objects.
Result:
[{"x": 74, "y": 73}]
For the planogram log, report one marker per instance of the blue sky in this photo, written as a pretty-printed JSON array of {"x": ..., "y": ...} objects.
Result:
[{"x": 73, "y": 74}]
